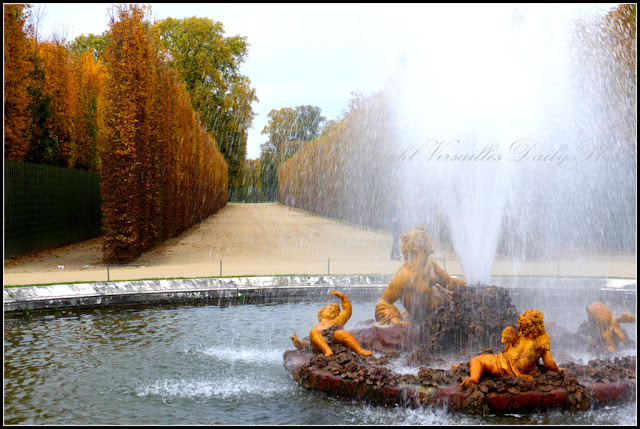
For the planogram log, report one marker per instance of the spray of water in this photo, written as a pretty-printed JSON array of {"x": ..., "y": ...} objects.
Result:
[{"x": 492, "y": 136}]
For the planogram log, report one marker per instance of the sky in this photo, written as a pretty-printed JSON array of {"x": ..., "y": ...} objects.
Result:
[{"x": 314, "y": 54}]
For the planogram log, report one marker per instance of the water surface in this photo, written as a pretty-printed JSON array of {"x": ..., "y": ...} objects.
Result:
[{"x": 195, "y": 365}]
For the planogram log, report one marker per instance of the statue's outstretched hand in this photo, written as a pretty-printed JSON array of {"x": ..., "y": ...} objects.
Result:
[
  {"x": 385, "y": 318},
  {"x": 626, "y": 318},
  {"x": 390, "y": 318},
  {"x": 440, "y": 295},
  {"x": 296, "y": 342}
]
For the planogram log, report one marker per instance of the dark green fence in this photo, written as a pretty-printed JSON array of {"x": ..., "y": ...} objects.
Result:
[
  {"x": 252, "y": 194},
  {"x": 47, "y": 207}
]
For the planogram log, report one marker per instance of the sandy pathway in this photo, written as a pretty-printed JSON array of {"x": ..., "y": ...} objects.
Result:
[
  {"x": 249, "y": 239},
  {"x": 268, "y": 239}
]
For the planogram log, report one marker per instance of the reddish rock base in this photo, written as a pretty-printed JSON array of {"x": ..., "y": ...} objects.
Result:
[{"x": 477, "y": 400}]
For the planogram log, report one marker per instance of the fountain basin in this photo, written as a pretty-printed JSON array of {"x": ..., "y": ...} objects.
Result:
[
  {"x": 213, "y": 364},
  {"x": 473, "y": 401}
]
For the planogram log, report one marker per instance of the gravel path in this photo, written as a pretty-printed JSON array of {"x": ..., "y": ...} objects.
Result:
[{"x": 270, "y": 239}]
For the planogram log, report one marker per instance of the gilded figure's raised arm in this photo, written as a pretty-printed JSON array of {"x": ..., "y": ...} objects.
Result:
[
  {"x": 387, "y": 313},
  {"x": 346, "y": 312},
  {"x": 445, "y": 280}
]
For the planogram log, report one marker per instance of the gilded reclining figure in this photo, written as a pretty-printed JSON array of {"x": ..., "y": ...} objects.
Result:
[
  {"x": 521, "y": 354},
  {"x": 420, "y": 283}
]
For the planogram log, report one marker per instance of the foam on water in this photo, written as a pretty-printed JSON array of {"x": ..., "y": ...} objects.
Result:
[
  {"x": 407, "y": 416},
  {"x": 248, "y": 355},
  {"x": 207, "y": 388}
]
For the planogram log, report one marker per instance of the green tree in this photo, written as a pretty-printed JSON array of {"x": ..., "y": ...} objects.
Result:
[
  {"x": 288, "y": 130},
  {"x": 94, "y": 43},
  {"x": 209, "y": 63},
  {"x": 268, "y": 165},
  {"x": 287, "y": 124},
  {"x": 43, "y": 145}
]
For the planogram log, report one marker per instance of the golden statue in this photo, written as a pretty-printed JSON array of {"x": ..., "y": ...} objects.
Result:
[
  {"x": 509, "y": 337},
  {"x": 604, "y": 325},
  {"x": 521, "y": 352},
  {"x": 420, "y": 283},
  {"x": 331, "y": 316}
]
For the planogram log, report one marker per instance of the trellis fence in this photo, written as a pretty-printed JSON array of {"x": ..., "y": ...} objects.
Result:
[{"x": 47, "y": 207}]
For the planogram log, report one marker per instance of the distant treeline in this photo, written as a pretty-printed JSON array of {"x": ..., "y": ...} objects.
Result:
[{"x": 345, "y": 173}]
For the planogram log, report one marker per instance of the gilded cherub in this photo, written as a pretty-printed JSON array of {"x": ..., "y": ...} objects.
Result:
[
  {"x": 330, "y": 316},
  {"x": 606, "y": 327},
  {"x": 520, "y": 358},
  {"x": 509, "y": 337},
  {"x": 420, "y": 283}
]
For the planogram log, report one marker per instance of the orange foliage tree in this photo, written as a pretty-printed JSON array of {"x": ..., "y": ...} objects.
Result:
[
  {"x": 90, "y": 76},
  {"x": 16, "y": 81},
  {"x": 606, "y": 70},
  {"x": 52, "y": 98},
  {"x": 161, "y": 170},
  {"x": 59, "y": 87}
]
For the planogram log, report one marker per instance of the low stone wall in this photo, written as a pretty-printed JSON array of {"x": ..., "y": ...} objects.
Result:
[{"x": 147, "y": 292}]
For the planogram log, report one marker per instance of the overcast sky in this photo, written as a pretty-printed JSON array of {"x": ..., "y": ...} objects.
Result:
[{"x": 316, "y": 54}]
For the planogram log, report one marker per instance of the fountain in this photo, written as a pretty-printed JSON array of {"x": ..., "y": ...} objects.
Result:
[
  {"x": 457, "y": 319},
  {"x": 222, "y": 364},
  {"x": 212, "y": 364},
  {"x": 492, "y": 134},
  {"x": 505, "y": 137}
]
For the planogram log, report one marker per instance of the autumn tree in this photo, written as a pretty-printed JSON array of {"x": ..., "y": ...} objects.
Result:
[
  {"x": 127, "y": 132},
  {"x": 90, "y": 77},
  {"x": 251, "y": 172},
  {"x": 209, "y": 63},
  {"x": 17, "y": 66},
  {"x": 604, "y": 64},
  {"x": 55, "y": 94},
  {"x": 161, "y": 169},
  {"x": 344, "y": 173}
]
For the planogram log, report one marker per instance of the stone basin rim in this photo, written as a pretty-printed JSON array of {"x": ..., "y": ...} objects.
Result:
[{"x": 42, "y": 297}]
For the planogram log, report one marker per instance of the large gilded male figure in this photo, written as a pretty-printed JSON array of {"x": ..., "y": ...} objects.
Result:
[{"x": 420, "y": 283}]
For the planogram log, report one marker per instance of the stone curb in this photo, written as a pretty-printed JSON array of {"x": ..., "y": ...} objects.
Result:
[
  {"x": 167, "y": 291},
  {"x": 144, "y": 292}
]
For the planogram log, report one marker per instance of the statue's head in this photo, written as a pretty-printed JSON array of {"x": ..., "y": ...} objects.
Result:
[
  {"x": 416, "y": 241},
  {"x": 330, "y": 311},
  {"x": 599, "y": 315},
  {"x": 509, "y": 335},
  {"x": 531, "y": 324}
]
